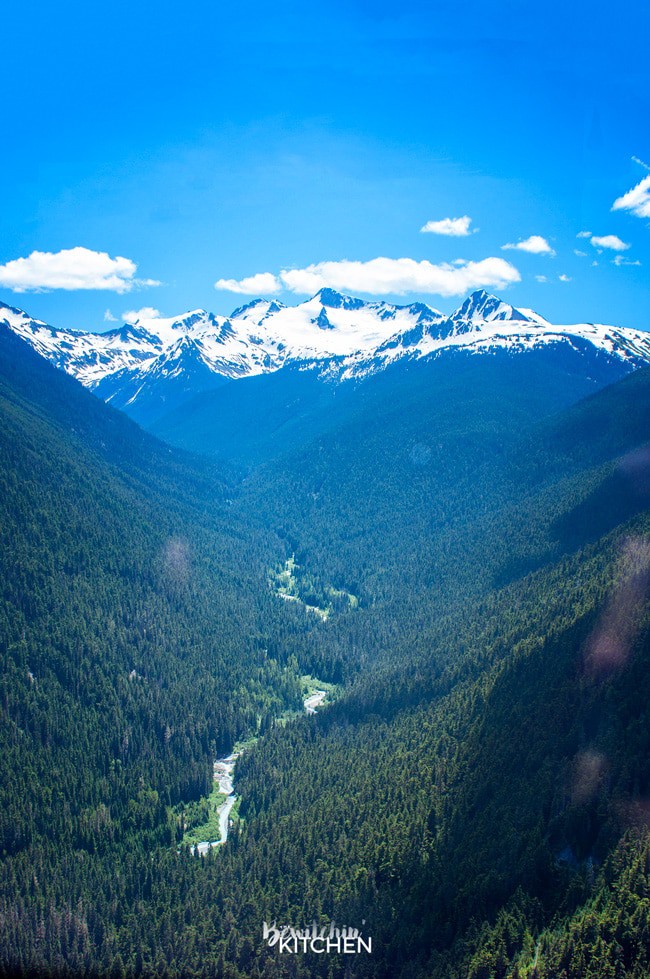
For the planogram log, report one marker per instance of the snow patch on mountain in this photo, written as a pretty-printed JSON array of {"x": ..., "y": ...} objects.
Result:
[{"x": 339, "y": 336}]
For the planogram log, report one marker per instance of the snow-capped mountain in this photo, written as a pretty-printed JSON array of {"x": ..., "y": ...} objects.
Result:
[{"x": 154, "y": 364}]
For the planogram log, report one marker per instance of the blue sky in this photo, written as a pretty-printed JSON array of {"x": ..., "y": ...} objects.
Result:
[{"x": 205, "y": 143}]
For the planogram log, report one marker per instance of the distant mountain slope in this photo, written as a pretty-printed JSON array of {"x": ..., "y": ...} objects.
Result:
[
  {"x": 27, "y": 378},
  {"x": 152, "y": 367},
  {"x": 263, "y": 417}
]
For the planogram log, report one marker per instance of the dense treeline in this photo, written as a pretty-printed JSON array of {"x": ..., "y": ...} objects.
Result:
[
  {"x": 476, "y": 795},
  {"x": 131, "y": 651}
]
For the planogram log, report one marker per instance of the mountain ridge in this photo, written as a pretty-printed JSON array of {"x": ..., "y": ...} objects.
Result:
[{"x": 152, "y": 365}]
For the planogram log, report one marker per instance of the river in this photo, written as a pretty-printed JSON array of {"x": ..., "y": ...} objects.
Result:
[
  {"x": 315, "y": 700},
  {"x": 223, "y": 774},
  {"x": 224, "y": 769}
]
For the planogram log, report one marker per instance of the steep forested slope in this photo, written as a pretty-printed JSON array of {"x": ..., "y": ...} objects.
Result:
[
  {"x": 465, "y": 794},
  {"x": 130, "y": 628}
]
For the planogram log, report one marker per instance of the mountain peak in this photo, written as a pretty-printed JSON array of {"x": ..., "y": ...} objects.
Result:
[
  {"x": 193, "y": 317},
  {"x": 336, "y": 300},
  {"x": 426, "y": 314},
  {"x": 272, "y": 306},
  {"x": 480, "y": 305},
  {"x": 339, "y": 336},
  {"x": 133, "y": 331}
]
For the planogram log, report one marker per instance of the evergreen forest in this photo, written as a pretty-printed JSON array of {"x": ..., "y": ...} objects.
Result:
[{"x": 458, "y": 553}]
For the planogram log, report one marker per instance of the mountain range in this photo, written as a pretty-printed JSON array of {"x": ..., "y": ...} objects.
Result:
[
  {"x": 151, "y": 367},
  {"x": 464, "y": 540}
]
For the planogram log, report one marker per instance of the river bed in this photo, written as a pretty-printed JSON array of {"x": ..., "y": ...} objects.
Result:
[
  {"x": 224, "y": 769},
  {"x": 223, "y": 775},
  {"x": 316, "y": 699}
]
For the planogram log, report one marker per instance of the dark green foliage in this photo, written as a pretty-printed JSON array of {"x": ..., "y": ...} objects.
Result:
[
  {"x": 299, "y": 406},
  {"x": 477, "y": 793}
]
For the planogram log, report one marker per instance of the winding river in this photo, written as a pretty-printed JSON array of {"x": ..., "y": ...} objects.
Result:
[
  {"x": 224, "y": 769},
  {"x": 223, "y": 776}
]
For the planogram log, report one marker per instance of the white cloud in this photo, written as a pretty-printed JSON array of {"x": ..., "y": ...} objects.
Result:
[
  {"x": 609, "y": 241},
  {"x": 584, "y": 234},
  {"x": 576, "y": 251},
  {"x": 146, "y": 313},
  {"x": 541, "y": 278},
  {"x": 621, "y": 260},
  {"x": 454, "y": 227},
  {"x": 564, "y": 278},
  {"x": 383, "y": 276},
  {"x": 71, "y": 269},
  {"x": 536, "y": 245},
  {"x": 109, "y": 318},
  {"x": 254, "y": 285},
  {"x": 637, "y": 200}
]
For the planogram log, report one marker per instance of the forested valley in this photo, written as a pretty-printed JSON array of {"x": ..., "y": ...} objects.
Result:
[{"x": 475, "y": 791}]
